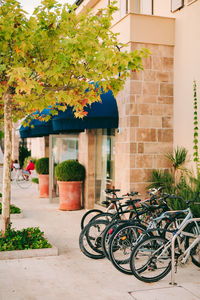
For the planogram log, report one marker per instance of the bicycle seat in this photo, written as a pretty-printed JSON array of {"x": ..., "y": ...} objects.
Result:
[
  {"x": 133, "y": 201},
  {"x": 113, "y": 200},
  {"x": 107, "y": 191},
  {"x": 105, "y": 203}
]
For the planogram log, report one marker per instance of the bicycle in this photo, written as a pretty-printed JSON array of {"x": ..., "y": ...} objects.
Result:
[
  {"x": 21, "y": 179},
  {"x": 151, "y": 258},
  {"x": 129, "y": 234}
]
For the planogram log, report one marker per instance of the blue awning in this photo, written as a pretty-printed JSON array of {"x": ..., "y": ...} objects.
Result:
[
  {"x": 100, "y": 115},
  {"x": 37, "y": 128}
]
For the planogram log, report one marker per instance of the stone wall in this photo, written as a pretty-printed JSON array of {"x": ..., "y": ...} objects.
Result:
[{"x": 145, "y": 119}]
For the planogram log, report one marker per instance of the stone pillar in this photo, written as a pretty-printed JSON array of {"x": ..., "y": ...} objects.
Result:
[
  {"x": 145, "y": 119},
  {"x": 86, "y": 156}
]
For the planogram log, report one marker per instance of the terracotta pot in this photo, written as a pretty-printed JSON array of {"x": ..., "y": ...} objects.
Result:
[
  {"x": 44, "y": 185},
  {"x": 70, "y": 195}
]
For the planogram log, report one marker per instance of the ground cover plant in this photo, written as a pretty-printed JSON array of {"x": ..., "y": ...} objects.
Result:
[
  {"x": 28, "y": 238},
  {"x": 178, "y": 180},
  {"x": 13, "y": 209}
]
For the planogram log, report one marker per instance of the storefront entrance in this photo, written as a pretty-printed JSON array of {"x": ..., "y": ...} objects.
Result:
[
  {"x": 104, "y": 162},
  {"x": 62, "y": 147}
]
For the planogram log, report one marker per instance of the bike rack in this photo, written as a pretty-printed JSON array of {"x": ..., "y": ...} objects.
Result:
[{"x": 172, "y": 249}]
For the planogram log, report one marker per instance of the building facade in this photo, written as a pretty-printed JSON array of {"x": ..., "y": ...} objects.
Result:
[{"x": 156, "y": 106}]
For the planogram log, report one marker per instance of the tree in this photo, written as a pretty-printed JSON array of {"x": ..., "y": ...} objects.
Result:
[{"x": 51, "y": 58}]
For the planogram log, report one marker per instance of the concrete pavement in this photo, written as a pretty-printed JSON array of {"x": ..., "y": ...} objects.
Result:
[{"x": 71, "y": 275}]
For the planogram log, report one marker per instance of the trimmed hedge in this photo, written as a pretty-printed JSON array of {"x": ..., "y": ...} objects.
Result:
[
  {"x": 13, "y": 209},
  {"x": 70, "y": 170},
  {"x": 42, "y": 165}
]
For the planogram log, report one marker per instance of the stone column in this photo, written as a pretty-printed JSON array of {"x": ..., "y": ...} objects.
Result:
[{"x": 145, "y": 119}]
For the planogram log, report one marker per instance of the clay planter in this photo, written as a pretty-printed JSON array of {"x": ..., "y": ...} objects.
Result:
[
  {"x": 44, "y": 185},
  {"x": 70, "y": 195}
]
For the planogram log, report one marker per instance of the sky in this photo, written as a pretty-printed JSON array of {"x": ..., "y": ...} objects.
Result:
[{"x": 30, "y": 5}]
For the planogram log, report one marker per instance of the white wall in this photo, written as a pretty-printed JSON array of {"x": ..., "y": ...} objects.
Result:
[{"x": 186, "y": 69}]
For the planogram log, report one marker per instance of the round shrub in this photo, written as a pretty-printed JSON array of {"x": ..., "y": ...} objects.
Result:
[
  {"x": 70, "y": 170},
  {"x": 42, "y": 165}
]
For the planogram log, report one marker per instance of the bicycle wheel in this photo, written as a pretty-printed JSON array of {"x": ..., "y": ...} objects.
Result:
[
  {"x": 88, "y": 216},
  {"x": 90, "y": 239},
  {"x": 23, "y": 181},
  {"x": 107, "y": 234},
  {"x": 195, "y": 251},
  {"x": 120, "y": 246},
  {"x": 103, "y": 216},
  {"x": 150, "y": 261}
]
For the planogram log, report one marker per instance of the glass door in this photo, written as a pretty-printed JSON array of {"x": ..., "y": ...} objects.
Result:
[
  {"x": 62, "y": 147},
  {"x": 104, "y": 162}
]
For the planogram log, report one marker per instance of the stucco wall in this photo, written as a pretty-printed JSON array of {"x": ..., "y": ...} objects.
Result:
[{"x": 186, "y": 69}]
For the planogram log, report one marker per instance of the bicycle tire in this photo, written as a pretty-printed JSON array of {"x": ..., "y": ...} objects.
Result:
[
  {"x": 84, "y": 220},
  {"x": 107, "y": 234},
  {"x": 195, "y": 251},
  {"x": 121, "y": 243},
  {"x": 86, "y": 246},
  {"x": 22, "y": 182},
  {"x": 144, "y": 249}
]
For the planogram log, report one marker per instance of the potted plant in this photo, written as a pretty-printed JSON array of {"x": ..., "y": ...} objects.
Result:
[
  {"x": 70, "y": 175},
  {"x": 42, "y": 168}
]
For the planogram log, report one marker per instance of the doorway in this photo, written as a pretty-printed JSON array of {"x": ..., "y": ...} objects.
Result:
[
  {"x": 62, "y": 147},
  {"x": 104, "y": 162}
]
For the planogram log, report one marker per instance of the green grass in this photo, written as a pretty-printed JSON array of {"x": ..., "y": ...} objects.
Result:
[
  {"x": 28, "y": 238},
  {"x": 13, "y": 209}
]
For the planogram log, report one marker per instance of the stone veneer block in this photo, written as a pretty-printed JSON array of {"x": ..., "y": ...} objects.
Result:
[
  {"x": 144, "y": 161},
  {"x": 150, "y": 88},
  {"x": 140, "y": 147},
  {"x": 131, "y": 109},
  {"x": 165, "y": 100},
  {"x": 166, "y": 89},
  {"x": 145, "y": 109},
  {"x": 165, "y": 135},
  {"x": 135, "y": 87},
  {"x": 162, "y": 76},
  {"x": 167, "y": 122},
  {"x": 146, "y": 99},
  {"x": 145, "y": 135},
  {"x": 149, "y": 75},
  {"x": 156, "y": 148},
  {"x": 168, "y": 63}
]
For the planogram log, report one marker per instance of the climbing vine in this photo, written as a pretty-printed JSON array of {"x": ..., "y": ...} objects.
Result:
[{"x": 196, "y": 128}]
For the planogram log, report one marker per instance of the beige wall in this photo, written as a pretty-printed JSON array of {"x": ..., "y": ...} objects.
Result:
[
  {"x": 186, "y": 69},
  {"x": 37, "y": 147}
]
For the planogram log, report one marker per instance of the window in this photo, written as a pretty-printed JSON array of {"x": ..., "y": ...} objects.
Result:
[
  {"x": 146, "y": 7},
  {"x": 176, "y": 4},
  {"x": 123, "y": 7},
  {"x": 190, "y": 1}
]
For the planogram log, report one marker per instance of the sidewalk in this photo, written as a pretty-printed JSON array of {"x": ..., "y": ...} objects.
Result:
[{"x": 71, "y": 275}]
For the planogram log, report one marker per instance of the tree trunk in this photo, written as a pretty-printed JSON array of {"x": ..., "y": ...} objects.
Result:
[{"x": 7, "y": 161}]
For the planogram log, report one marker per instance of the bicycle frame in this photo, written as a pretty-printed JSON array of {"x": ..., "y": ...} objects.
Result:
[{"x": 187, "y": 251}]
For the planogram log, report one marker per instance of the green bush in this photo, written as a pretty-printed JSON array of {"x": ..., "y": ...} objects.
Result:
[
  {"x": 28, "y": 238},
  {"x": 70, "y": 170},
  {"x": 42, "y": 165},
  {"x": 13, "y": 209},
  {"x": 34, "y": 160},
  {"x": 35, "y": 180},
  {"x": 23, "y": 153}
]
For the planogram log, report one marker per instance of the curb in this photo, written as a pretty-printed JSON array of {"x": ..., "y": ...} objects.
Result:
[
  {"x": 18, "y": 254},
  {"x": 15, "y": 216}
]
